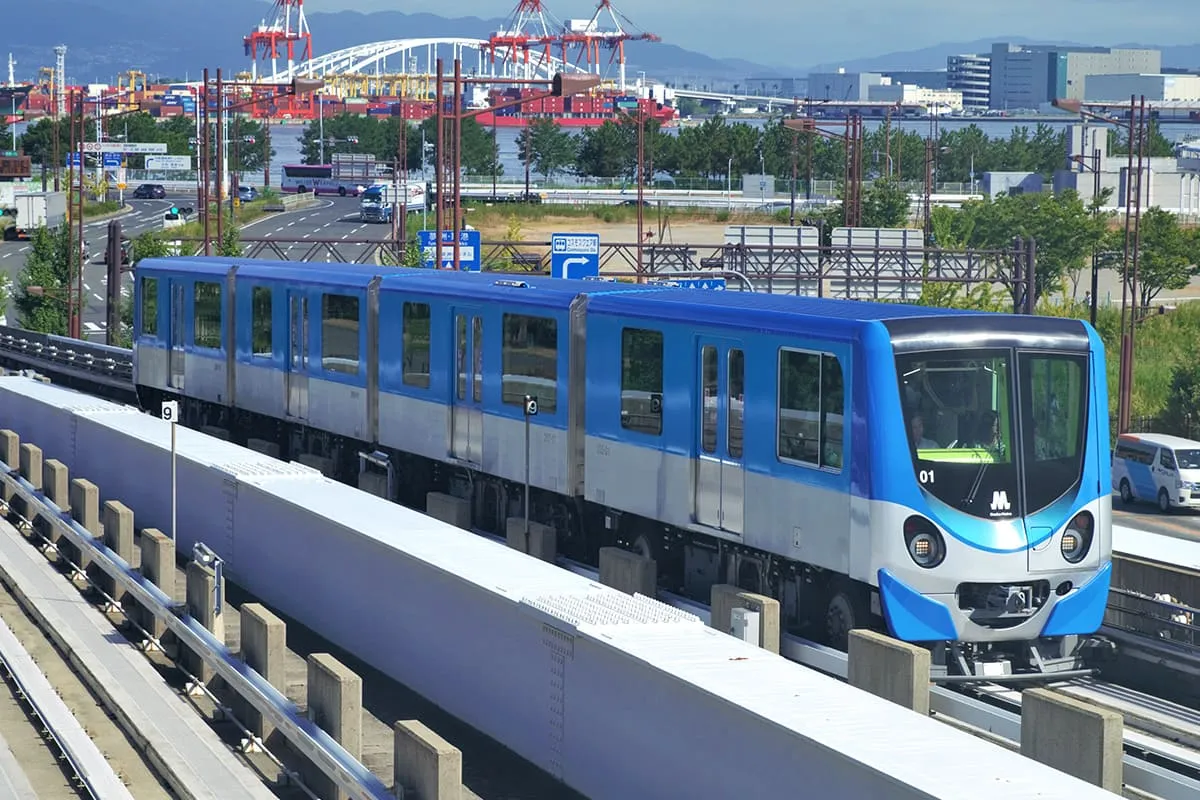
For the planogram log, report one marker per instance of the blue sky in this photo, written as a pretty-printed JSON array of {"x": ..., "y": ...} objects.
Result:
[{"x": 805, "y": 32}]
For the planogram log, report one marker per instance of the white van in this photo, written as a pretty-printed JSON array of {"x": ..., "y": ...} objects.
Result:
[{"x": 1154, "y": 467}]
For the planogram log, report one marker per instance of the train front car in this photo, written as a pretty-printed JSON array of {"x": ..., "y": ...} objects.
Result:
[{"x": 993, "y": 537}]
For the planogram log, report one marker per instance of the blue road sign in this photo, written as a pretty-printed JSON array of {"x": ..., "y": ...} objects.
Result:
[
  {"x": 575, "y": 255},
  {"x": 713, "y": 284},
  {"x": 72, "y": 159},
  {"x": 113, "y": 160},
  {"x": 469, "y": 245}
]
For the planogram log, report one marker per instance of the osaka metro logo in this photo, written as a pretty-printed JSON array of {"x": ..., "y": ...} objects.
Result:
[{"x": 1000, "y": 504}]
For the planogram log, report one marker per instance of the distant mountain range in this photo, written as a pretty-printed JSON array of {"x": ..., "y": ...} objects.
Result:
[{"x": 105, "y": 38}]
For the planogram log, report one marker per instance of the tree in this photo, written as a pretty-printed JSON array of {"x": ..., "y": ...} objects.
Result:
[
  {"x": 38, "y": 139},
  {"x": 1183, "y": 399},
  {"x": 605, "y": 153},
  {"x": 5, "y": 134},
  {"x": 1167, "y": 258},
  {"x": 885, "y": 205},
  {"x": 51, "y": 264},
  {"x": 551, "y": 149},
  {"x": 251, "y": 137},
  {"x": 230, "y": 245}
]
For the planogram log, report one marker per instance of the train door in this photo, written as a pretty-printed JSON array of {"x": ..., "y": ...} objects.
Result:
[
  {"x": 466, "y": 405},
  {"x": 177, "y": 333},
  {"x": 297, "y": 363},
  {"x": 720, "y": 472}
]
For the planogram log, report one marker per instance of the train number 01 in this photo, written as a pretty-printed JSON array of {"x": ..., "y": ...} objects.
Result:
[{"x": 925, "y": 476}]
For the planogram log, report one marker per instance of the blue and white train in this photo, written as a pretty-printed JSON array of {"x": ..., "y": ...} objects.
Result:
[{"x": 944, "y": 472}]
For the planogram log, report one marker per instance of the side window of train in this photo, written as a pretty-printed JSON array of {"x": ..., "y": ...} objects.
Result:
[
  {"x": 206, "y": 315},
  {"x": 260, "y": 323},
  {"x": 811, "y": 401},
  {"x": 339, "y": 333},
  {"x": 415, "y": 352},
  {"x": 150, "y": 306},
  {"x": 642, "y": 380},
  {"x": 529, "y": 361}
]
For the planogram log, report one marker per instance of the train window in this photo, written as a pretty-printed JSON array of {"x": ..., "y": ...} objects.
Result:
[
  {"x": 641, "y": 380},
  {"x": 735, "y": 412},
  {"x": 206, "y": 315},
  {"x": 415, "y": 354},
  {"x": 530, "y": 360},
  {"x": 260, "y": 322},
  {"x": 708, "y": 423},
  {"x": 339, "y": 333},
  {"x": 149, "y": 306},
  {"x": 811, "y": 398},
  {"x": 1054, "y": 391}
]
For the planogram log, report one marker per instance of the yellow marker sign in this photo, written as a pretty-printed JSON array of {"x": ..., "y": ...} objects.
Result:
[{"x": 121, "y": 186}]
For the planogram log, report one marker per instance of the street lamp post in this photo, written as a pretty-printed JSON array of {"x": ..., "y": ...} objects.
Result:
[
  {"x": 1130, "y": 257},
  {"x": 562, "y": 85}
]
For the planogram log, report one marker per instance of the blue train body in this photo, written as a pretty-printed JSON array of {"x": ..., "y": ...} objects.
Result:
[{"x": 773, "y": 442}]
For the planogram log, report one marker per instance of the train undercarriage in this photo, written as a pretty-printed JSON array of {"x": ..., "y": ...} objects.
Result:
[{"x": 816, "y": 604}]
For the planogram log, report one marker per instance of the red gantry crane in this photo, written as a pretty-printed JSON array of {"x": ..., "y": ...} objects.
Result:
[
  {"x": 527, "y": 29},
  {"x": 287, "y": 27},
  {"x": 590, "y": 38}
]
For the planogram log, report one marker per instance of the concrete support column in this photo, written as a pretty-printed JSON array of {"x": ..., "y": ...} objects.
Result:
[
  {"x": 158, "y": 567},
  {"x": 85, "y": 509},
  {"x": 264, "y": 647},
  {"x": 890, "y": 669},
  {"x": 10, "y": 452},
  {"x": 30, "y": 464},
  {"x": 1073, "y": 737},
  {"x": 56, "y": 481},
  {"x": 543, "y": 539},
  {"x": 201, "y": 605},
  {"x": 334, "y": 705},
  {"x": 726, "y": 597},
  {"x": 426, "y": 763},
  {"x": 628, "y": 572},
  {"x": 452, "y": 510},
  {"x": 118, "y": 537}
]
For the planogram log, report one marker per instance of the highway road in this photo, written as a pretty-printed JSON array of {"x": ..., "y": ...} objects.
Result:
[{"x": 332, "y": 219}]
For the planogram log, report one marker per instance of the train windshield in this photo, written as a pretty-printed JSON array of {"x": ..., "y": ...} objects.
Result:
[{"x": 975, "y": 426}]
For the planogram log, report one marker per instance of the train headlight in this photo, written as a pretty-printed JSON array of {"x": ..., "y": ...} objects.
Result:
[
  {"x": 1077, "y": 538},
  {"x": 925, "y": 544}
]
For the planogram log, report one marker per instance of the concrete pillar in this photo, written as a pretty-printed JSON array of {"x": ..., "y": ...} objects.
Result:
[
  {"x": 264, "y": 647},
  {"x": 726, "y": 597},
  {"x": 263, "y": 446},
  {"x": 158, "y": 567},
  {"x": 118, "y": 537},
  {"x": 325, "y": 465},
  {"x": 543, "y": 540},
  {"x": 375, "y": 483},
  {"x": 426, "y": 763},
  {"x": 890, "y": 669},
  {"x": 201, "y": 605},
  {"x": 55, "y": 485},
  {"x": 452, "y": 510},
  {"x": 10, "y": 452},
  {"x": 30, "y": 464},
  {"x": 628, "y": 572},
  {"x": 1073, "y": 737},
  {"x": 85, "y": 509},
  {"x": 335, "y": 706}
]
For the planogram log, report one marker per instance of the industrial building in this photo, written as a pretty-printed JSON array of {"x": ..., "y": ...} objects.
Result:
[
  {"x": 1032, "y": 76},
  {"x": 1160, "y": 88},
  {"x": 928, "y": 78},
  {"x": 1171, "y": 183},
  {"x": 842, "y": 86},
  {"x": 941, "y": 101},
  {"x": 971, "y": 75}
]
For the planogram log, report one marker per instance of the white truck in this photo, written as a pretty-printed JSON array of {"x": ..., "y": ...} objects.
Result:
[
  {"x": 32, "y": 210},
  {"x": 378, "y": 199}
]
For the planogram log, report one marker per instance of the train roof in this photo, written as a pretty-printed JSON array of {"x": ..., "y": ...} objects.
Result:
[{"x": 512, "y": 287}]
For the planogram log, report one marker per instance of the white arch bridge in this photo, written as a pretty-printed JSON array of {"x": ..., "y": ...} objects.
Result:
[{"x": 416, "y": 59}]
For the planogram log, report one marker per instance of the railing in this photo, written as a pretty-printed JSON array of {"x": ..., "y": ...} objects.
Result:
[
  {"x": 62, "y": 354},
  {"x": 306, "y": 738},
  {"x": 1149, "y": 617}
]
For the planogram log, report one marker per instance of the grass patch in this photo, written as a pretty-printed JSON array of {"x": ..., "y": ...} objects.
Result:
[
  {"x": 101, "y": 208},
  {"x": 496, "y": 217}
]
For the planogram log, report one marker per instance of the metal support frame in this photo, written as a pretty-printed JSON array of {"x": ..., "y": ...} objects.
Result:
[{"x": 307, "y": 738}]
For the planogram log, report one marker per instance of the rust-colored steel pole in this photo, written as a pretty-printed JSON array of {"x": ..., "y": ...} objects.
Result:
[
  {"x": 440, "y": 164},
  {"x": 77, "y": 317},
  {"x": 458, "y": 215},
  {"x": 1126, "y": 343},
  {"x": 206, "y": 160},
  {"x": 220, "y": 160}
]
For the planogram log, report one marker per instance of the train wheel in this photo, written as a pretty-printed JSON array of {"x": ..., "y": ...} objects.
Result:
[{"x": 845, "y": 612}]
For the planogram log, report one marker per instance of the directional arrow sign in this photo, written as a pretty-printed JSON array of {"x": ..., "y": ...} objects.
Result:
[{"x": 575, "y": 255}]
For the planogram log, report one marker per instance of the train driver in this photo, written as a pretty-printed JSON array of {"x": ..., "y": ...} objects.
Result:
[{"x": 917, "y": 434}]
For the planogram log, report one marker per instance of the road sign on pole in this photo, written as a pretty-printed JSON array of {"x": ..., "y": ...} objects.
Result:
[
  {"x": 469, "y": 245},
  {"x": 124, "y": 147},
  {"x": 575, "y": 255}
]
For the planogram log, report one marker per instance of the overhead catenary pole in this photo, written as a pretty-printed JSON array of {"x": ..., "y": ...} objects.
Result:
[
  {"x": 458, "y": 215},
  {"x": 439, "y": 163},
  {"x": 1126, "y": 272},
  {"x": 220, "y": 159},
  {"x": 205, "y": 161},
  {"x": 77, "y": 317}
]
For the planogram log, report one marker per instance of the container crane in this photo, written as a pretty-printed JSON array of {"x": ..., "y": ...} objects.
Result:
[{"x": 590, "y": 38}]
